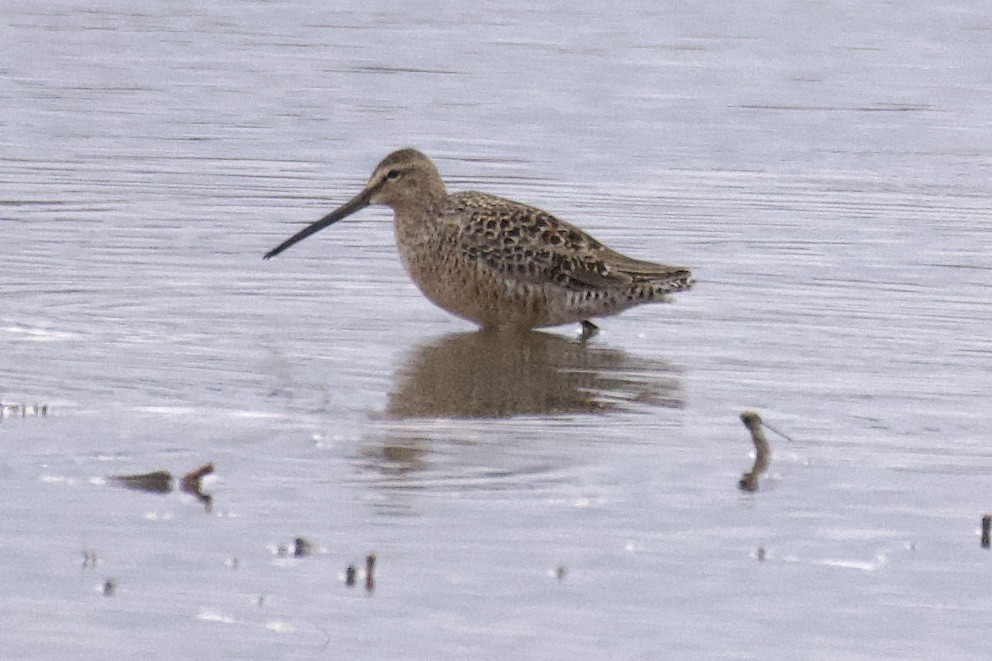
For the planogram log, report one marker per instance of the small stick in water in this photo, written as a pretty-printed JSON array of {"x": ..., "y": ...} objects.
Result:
[
  {"x": 762, "y": 451},
  {"x": 369, "y": 569},
  {"x": 986, "y": 526},
  {"x": 109, "y": 587}
]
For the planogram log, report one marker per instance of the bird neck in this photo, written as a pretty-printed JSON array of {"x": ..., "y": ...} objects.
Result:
[{"x": 421, "y": 207}]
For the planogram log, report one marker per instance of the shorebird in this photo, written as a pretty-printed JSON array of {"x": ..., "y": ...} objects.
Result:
[{"x": 496, "y": 262}]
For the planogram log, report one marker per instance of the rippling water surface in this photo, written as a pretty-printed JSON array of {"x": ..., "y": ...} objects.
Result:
[{"x": 825, "y": 171}]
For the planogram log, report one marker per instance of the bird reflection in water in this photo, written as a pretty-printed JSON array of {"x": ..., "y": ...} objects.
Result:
[
  {"x": 486, "y": 376},
  {"x": 500, "y": 375}
]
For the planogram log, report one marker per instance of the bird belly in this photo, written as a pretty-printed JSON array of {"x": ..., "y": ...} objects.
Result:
[
  {"x": 467, "y": 287},
  {"x": 472, "y": 291}
]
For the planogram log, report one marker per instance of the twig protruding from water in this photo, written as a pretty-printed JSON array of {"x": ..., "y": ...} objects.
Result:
[
  {"x": 161, "y": 481},
  {"x": 762, "y": 451},
  {"x": 191, "y": 484},
  {"x": 370, "y": 572}
]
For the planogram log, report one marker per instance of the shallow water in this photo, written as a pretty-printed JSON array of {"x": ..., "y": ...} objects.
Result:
[{"x": 823, "y": 170}]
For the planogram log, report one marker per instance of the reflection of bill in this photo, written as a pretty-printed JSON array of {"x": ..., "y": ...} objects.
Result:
[{"x": 497, "y": 375}]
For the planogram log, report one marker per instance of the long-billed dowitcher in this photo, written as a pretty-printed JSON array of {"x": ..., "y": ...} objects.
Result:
[{"x": 499, "y": 263}]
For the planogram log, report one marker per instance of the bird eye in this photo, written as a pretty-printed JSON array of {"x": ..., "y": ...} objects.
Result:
[{"x": 393, "y": 175}]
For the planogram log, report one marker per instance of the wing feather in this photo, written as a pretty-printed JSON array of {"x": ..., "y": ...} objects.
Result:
[{"x": 522, "y": 242}]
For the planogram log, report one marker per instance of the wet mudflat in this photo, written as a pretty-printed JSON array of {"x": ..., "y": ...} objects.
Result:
[{"x": 824, "y": 173}]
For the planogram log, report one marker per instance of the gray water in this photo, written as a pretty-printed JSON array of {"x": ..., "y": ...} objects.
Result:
[{"x": 824, "y": 170}]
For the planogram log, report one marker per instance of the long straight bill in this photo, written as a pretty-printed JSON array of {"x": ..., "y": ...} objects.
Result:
[{"x": 358, "y": 202}]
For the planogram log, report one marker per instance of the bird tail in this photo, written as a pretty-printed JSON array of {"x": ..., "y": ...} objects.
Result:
[
  {"x": 657, "y": 287},
  {"x": 677, "y": 281}
]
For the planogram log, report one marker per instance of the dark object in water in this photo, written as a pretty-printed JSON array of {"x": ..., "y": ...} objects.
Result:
[
  {"x": 302, "y": 547},
  {"x": 763, "y": 452},
  {"x": 191, "y": 484},
  {"x": 162, "y": 482},
  {"x": 986, "y": 526},
  {"x": 349, "y": 576},
  {"x": 761, "y": 554},
  {"x": 154, "y": 482},
  {"x": 561, "y": 572},
  {"x": 370, "y": 572},
  {"x": 589, "y": 330},
  {"x": 109, "y": 587}
]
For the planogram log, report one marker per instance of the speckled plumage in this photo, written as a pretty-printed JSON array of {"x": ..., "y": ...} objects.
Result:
[{"x": 500, "y": 263}]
